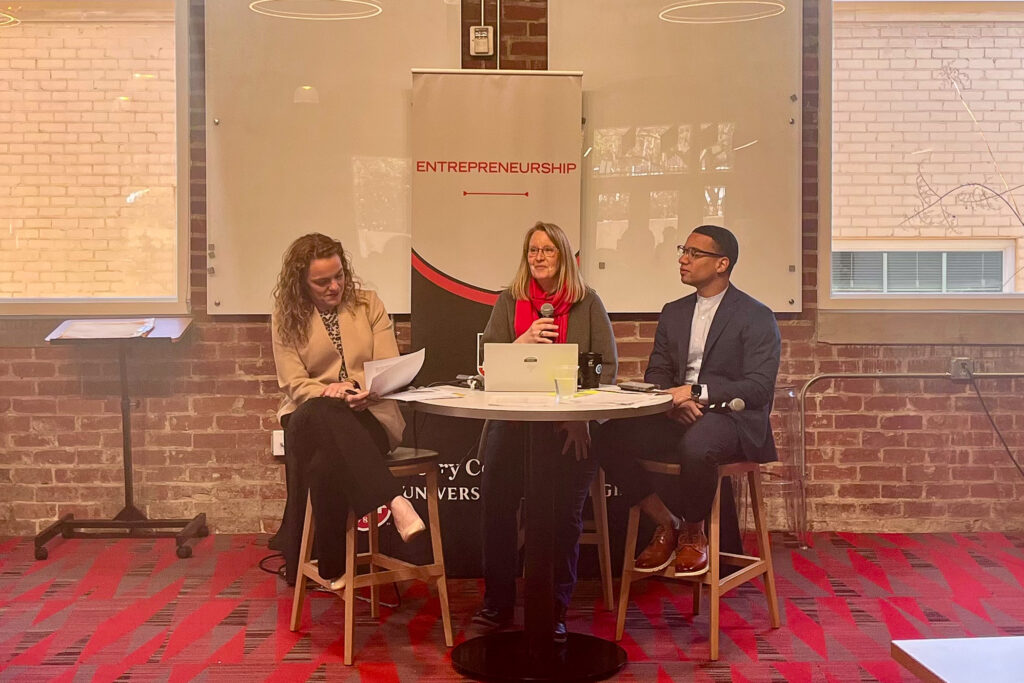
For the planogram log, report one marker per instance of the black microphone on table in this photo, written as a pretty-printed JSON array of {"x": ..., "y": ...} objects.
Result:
[{"x": 731, "y": 406}]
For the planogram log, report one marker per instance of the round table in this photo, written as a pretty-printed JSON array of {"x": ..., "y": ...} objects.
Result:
[{"x": 531, "y": 654}]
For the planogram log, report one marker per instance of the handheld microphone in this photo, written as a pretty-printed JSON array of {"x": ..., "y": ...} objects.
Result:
[
  {"x": 547, "y": 311},
  {"x": 731, "y": 406}
]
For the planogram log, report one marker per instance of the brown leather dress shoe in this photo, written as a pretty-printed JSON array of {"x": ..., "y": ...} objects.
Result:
[
  {"x": 659, "y": 552},
  {"x": 691, "y": 553}
]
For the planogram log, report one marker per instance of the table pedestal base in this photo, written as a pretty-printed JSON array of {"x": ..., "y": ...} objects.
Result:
[{"x": 506, "y": 656}]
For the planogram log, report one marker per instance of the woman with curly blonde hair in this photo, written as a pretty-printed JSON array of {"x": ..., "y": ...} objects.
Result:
[{"x": 324, "y": 327}]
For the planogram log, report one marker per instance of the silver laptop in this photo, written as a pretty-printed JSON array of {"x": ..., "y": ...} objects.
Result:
[{"x": 526, "y": 367}]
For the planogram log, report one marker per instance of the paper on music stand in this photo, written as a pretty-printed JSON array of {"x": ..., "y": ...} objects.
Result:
[
  {"x": 391, "y": 374},
  {"x": 112, "y": 328}
]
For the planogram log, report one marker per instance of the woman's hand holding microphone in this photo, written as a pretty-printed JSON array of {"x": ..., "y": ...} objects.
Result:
[{"x": 542, "y": 331}]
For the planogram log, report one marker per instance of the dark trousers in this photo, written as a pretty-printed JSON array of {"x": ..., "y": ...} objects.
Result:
[
  {"x": 698, "y": 449},
  {"x": 337, "y": 455},
  {"x": 502, "y": 490}
]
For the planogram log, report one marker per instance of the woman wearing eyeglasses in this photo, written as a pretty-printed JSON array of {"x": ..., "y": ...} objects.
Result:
[
  {"x": 324, "y": 327},
  {"x": 547, "y": 274}
]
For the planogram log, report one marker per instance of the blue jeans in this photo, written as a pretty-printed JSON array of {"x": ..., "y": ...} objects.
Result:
[{"x": 502, "y": 490}]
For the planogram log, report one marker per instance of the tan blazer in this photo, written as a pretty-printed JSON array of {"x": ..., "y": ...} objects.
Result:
[{"x": 304, "y": 371}]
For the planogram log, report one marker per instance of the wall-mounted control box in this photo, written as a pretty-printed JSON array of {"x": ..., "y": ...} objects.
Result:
[{"x": 481, "y": 41}]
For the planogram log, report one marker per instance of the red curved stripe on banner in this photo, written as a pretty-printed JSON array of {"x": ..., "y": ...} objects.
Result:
[{"x": 448, "y": 284}]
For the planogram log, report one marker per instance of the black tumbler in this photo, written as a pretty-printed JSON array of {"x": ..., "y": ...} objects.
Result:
[{"x": 590, "y": 370}]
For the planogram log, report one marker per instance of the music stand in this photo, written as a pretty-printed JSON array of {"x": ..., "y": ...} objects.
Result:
[{"x": 130, "y": 522}]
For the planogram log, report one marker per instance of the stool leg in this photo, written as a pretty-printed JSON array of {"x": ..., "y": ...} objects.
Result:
[
  {"x": 628, "y": 561},
  {"x": 305, "y": 553},
  {"x": 715, "y": 569},
  {"x": 438, "y": 555},
  {"x": 764, "y": 548},
  {"x": 696, "y": 593},
  {"x": 374, "y": 548},
  {"x": 350, "y": 587},
  {"x": 604, "y": 553}
]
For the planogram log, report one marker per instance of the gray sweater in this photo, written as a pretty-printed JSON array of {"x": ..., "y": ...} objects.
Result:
[{"x": 589, "y": 328}]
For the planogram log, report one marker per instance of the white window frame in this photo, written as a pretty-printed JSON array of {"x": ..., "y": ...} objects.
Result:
[
  {"x": 179, "y": 304},
  {"x": 1006, "y": 247},
  {"x": 862, "y": 318}
]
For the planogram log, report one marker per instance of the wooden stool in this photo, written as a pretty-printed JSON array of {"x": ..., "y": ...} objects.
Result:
[
  {"x": 595, "y": 530},
  {"x": 752, "y": 567},
  {"x": 403, "y": 462}
]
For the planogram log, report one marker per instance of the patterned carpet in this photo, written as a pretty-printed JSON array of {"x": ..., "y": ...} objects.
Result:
[{"x": 131, "y": 611}]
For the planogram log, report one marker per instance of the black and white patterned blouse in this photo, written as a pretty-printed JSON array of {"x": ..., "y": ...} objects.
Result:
[{"x": 330, "y": 320}]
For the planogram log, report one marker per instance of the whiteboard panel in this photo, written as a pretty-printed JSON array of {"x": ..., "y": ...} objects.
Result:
[
  {"x": 685, "y": 124},
  {"x": 307, "y": 131}
]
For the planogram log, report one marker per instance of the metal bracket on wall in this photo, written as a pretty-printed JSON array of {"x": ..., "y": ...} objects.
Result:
[{"x": 802, "y": 464}]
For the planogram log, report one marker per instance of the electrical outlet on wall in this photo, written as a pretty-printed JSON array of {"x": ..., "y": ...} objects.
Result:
[
  {"x": 961, "y": 368},
  {"x": 277, "y": 442}
]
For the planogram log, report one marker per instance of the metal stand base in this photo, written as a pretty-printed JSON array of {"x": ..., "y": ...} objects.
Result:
[
  {"x": 129, "y": 523},
  {"x": 507, "y": 656}
]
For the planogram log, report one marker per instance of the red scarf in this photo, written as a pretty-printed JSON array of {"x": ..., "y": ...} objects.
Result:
[{"x": 528, "y": 310}]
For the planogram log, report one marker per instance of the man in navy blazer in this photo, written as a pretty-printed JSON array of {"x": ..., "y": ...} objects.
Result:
[{"x": 715, "y": 345}]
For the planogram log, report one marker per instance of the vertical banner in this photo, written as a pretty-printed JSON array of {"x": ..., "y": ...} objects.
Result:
[{"x": 493, "y": 153}]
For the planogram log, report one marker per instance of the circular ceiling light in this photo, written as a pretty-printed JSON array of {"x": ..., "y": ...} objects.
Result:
[
  {"x": 720, "y": 11},
  {"x": 317, "y": 10},
  {"x": 7, "y": 20}
]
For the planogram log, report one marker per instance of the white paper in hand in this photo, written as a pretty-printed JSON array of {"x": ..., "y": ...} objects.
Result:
[{"x": 391, "y": 374}]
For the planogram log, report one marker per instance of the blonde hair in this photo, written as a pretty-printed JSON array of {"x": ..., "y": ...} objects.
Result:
[
  {"x": 569, "y": 276},
  {"x": 292, "y": 303}
]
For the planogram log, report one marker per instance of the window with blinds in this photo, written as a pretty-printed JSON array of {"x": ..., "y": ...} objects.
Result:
[{"x": 917, "y": 272}]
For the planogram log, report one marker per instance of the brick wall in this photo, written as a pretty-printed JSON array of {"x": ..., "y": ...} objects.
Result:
[
  {"x": 926, "y": 110},
  {"x": 87, "y": 158},
  {"x": 906, "y": 455}
]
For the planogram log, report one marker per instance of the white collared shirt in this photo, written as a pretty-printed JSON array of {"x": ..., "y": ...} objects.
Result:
[{"x": 703, "y": 314}]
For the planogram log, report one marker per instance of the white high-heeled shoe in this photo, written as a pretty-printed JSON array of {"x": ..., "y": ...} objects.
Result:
[{"x": 411, "y": 529}]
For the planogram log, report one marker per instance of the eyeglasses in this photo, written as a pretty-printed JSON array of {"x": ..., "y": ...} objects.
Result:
[
  {"x": 694, "y": 253},
  {"x": 536, "y": 251}
]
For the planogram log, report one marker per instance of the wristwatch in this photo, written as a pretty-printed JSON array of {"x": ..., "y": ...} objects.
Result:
[{"x": 695, "y": 390}]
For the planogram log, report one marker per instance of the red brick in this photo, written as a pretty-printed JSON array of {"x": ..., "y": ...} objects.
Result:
[
  {"x": 838, "y": 438},
  {"x": 902, "y": 422},
  {"x": 237, "y": 422},
  {"x": 32, "y": 440},
  {"x": 882, "y": 473},
  {"x": 17, "y": 387},
  {"x": 858, "y": 490},
  {"x": 838, "y": 403},
  {"x": 885, "y": 404},
  {"x": 32, "y": 475},
  {"x": 927, "y": 439},
  {"x": 214, "y": 440},
  {"x": 901, "y": 491},
  {"x": 88, "y": 475},
  {"x": 631, "y": 350},
  {"x": 625, "y": 330},
  {"x": 33, "y": 369},
  {"x": 903, "y": 456},
  {"x": 854, "y": 421}
]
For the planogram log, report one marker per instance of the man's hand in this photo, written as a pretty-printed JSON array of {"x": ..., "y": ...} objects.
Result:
[
  {"x": 680, "y": 395},
  {"x": 577, "y": 437},
  {"x": 684, "y": 409}
]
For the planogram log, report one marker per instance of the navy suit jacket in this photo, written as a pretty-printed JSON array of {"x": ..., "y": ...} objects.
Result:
[{"x": 741, "y": 360}]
